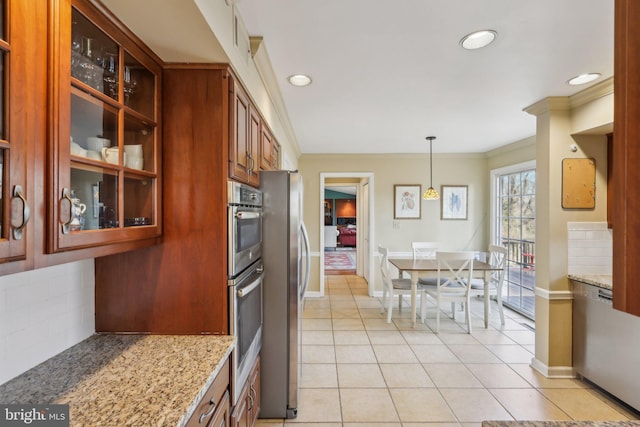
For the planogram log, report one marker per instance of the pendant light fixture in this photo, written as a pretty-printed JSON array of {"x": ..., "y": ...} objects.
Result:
[{"x": 431, "y": 193}]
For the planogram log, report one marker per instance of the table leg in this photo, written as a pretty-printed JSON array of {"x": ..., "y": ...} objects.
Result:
[
  {"x": 414, "y": 296},
  {"x": 487, "y": 276}
]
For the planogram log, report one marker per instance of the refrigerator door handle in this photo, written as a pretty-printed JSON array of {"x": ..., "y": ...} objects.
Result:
[{"x": 305, "y": 237}]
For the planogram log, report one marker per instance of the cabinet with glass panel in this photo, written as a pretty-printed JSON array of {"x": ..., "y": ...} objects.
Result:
[
  {"x": 17, "y": 123},
  {"x": 106, "y": 174}
]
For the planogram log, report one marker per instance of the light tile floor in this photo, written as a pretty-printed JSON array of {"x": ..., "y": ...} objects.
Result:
[{"x": 358, "y": 370}]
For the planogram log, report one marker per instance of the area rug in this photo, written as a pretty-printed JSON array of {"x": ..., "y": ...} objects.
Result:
[{"x": 339, "y": 260}]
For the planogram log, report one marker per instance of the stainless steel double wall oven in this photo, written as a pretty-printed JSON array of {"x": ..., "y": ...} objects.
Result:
[{"x": 245, "y": 278}]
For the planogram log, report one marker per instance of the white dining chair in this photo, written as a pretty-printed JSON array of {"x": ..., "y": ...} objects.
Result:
[
  {"x": 393, "y": 287},
  {"x": 497, "y": 258},
  {"x": 455, "y": 270},
  {"x": 425, "y": 250}
]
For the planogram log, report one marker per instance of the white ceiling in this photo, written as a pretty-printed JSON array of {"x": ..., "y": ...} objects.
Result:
[{"x": 387, "y": 73}]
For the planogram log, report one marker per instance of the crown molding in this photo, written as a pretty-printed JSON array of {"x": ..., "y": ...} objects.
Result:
[
  {"x": 592, "y": 93},
  {"x": 552, "y": 103},
  {"x": 262, "y": 62}
]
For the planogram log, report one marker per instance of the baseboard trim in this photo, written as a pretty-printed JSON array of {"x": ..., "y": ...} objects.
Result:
[
  {"x": 553, "y": 295},
  {"x": 553, "y": 371},
  {"x": 313, "y": 294}
]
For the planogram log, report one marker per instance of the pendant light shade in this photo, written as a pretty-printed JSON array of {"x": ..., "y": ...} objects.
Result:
[{"x": 431, "y": 193}]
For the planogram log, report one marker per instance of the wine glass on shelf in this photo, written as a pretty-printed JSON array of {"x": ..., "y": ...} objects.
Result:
[
  {"x": 76, "y": 52},
  {"x": 91, "y": 55},
  {"x": 110, "y": 65},
  {"x": 130, "y": 83}
]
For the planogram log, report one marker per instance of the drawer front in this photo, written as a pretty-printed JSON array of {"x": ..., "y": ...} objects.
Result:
[{"x": 212, "y": 399}]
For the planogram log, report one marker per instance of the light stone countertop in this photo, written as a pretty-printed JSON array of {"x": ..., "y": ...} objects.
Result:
[
  {"x": 574, "y": 423},
  {"x": 125, "y": 380},
  {"x": 601, "y": 281}
]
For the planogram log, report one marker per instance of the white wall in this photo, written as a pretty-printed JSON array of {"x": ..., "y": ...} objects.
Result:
[{"x": 43, "y": 312}]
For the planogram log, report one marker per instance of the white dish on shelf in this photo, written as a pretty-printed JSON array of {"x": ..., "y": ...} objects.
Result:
[
  {"x": 95, "y": 143},
  {"x": 77, "y": 150},
  {"x": 94, "y": 155}
]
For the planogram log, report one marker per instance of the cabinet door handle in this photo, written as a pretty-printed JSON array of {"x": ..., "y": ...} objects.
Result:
[
  {"x": 251, "y": 163},
  {"x": 212, "y": 402},
  {"x": 66, "y": 196},
  {"x": 26, "y": 212},
  {"x": 255, "y": 395},
  {"x": 251, "y": 399}
]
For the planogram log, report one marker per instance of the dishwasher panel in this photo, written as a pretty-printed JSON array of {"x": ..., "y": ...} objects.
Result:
[{"x": 606, "y": 344}]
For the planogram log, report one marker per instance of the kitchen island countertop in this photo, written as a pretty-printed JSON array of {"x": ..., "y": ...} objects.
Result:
[
  {"x": 125, "y": 380},
  {"x": 600, "y": 280}
]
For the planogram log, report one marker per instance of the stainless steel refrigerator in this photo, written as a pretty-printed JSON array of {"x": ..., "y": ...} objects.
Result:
[{"x": 285, "y": 253}]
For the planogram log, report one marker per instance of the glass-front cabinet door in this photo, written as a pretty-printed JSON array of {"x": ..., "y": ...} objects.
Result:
[
  {"x": 15, "y": 77},
  {"x": 107, "y": 180}
]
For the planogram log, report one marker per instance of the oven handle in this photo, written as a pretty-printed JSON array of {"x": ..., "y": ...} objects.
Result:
[
  {"x": 249, "y": 288},
  {"x": 247, "y": 215}
]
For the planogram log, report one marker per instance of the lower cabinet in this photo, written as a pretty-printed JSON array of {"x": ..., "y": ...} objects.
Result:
[
  {"x": 246, "y": 410},
  {"x": 214, "y": 408}
]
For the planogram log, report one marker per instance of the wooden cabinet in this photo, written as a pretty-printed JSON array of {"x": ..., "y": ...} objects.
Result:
[
  {"x": 214, "y": 407},
  {"x": 626, "y": 156},
  {"x": 328, "y": 212},
  {"x": 252, "y": 147},
  {"x": 244, "y": 141},
  {"x": 180, "y": 285},
  {"x": 19, "y": 88},
  {"x": 247, "y": 409},
  {"x": 105, "y": 178},
  {"x": 269, "y": 150},
  {"x": 46, "y": 102}
]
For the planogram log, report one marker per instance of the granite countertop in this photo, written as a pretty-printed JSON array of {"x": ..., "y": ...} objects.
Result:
[
  {"x": 560, "y": 423},
  {"x": 599, "y": 280},
  {"x": 125, "y": 380}
]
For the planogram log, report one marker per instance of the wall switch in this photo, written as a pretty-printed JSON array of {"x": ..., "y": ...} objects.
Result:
[{"x": 396, "y": 225}]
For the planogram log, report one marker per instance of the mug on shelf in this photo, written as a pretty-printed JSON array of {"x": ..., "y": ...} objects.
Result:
[
  {"x": 110, "y": 155},
  {"x": 133, "y": 162},
  {"x": 134, "y": 150}
]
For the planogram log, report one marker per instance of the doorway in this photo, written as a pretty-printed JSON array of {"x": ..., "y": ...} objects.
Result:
[
  {"x": 340, "y": 228},
  {"x": 345, "y": 206}
]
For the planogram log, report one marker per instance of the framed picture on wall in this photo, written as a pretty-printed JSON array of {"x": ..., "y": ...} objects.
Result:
[
  {"x": 453, "y": 201},
  {"x": 406, "y": 201}
]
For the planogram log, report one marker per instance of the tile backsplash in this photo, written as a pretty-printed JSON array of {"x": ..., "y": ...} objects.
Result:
[
  {"x": 43, "y": 312},
  {"x": 590, "y": 248}
]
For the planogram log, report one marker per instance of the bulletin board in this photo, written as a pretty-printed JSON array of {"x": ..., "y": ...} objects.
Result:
[{"x": 578, "y": 183}]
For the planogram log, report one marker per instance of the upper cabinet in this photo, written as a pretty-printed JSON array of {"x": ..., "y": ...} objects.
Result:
[
  {"x": 105, "y": 151},
  {"x": 244, "y": 138},
  {"x": 16, "y": 88},
  {"x": 626, "y": 155},
  {"x": 269, "y": 150},
  {"x": 252, "y": 147}
]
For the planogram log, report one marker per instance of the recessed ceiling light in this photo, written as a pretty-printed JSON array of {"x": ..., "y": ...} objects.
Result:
[
  {"x": 299, "y": 80},
  {"x": 583, "y": 78},
  {"x": 478, "y": 39}
]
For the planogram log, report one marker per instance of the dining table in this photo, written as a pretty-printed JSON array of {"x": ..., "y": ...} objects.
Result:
[{"x": 429, "y": 267}]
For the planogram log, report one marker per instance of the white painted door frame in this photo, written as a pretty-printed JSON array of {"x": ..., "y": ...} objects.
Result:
[{"x": 363, "y": 236}]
